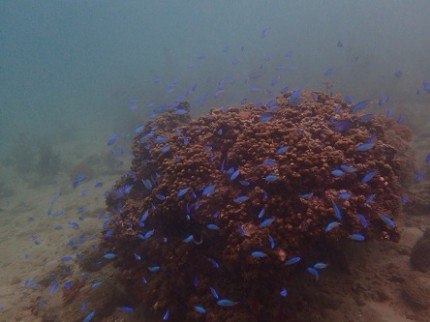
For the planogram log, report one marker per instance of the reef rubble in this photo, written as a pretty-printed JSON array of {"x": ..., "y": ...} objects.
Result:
[{"x": 219, "y": 213}]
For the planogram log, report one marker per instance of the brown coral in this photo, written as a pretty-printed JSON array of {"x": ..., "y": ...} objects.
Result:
[{"x": 182, "y": 180}]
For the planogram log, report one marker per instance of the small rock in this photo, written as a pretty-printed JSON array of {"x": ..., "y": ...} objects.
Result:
[
  {"x": 420, "y": 259},
  {"x": 416, "y": 291}
]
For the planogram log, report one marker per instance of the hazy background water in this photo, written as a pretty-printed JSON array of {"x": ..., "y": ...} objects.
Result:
[
  {"x": 72, "y": 73},
  {"x": 68, "y": 68}
]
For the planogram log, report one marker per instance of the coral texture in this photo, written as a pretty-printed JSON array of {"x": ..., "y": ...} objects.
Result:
[{"x": 233, "y": 204}]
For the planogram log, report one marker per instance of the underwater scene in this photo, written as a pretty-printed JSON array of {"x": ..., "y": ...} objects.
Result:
[{"x": 214, "y": 161}]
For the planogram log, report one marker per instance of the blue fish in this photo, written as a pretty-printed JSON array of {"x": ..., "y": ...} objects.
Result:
[
  {"x": 365, "y": 118},
  {"x": 113, "y": 138},
  {"x": 147, "y": 183},
  {"x": 240, "y": 230},
  {"x": 364, "y": 147},
  {"x": 387, "y": 221},
  {"x": 165, "y": 149},
  {"x": 293, "y": 260},
  {"x": 126, "y": 309},
  {"x": 320, "y": 265},
  {"x": 89, "y": 317},
  {"x": 267, "y": 222},
  {"x": 306, "y": 196},
  {"x": 272, "y": 242},
  {"x": 344, "y": 195},
  {"x": 281, "y": 150},
  {"x": 109, "y": 256},
  {"x": 244, "y": 182},
  {"x": 188, "y": 239},
  {"x": 271, "y": 177},
  {"x": 214, "y": 293},
  {"x": 426, "y": 86},
  {"x": 226, "y": 302},
  {"x": 146, "y": 137},
  {"x": 331, "y": 225},
  {"x": 208, "y": 190},
  {"x": 363, "y": 220},
  {"x": 337, "y": 172},
  {"x": 296, "y": 93},
  {"x": 230, "y": 170},
  {"x": 146, "y": 235},
  {"x": 181, "y": 111},
  {"x": 283, "y": 292},
  {"x": 269, "y": 162},
  {"x": 213, "y": 262},
  {"x": 200, "y": 309},
  {"x": 357, "y": 237},
  {"x": 241, "y": 199},
  {"x": 83, "y": 306},
  {"x": 348, "y": 168},
  {"x": 328, "y": 71},
  {"x": 139, "y": 129},
  {"x": 67, "y": 285},
  {"x": 53, "y": 287},
  {"x": 261, "y": 213},
  {"x": 78, "y": 180},
  {"x": 314, "y": 272},
  {"x": 166, "y": 315},
  {"x": 160, "y": 197},
  {"x": 153, "y": 268},
  {"x": 212, "y": 227},
  {"x": 342, "y": 125},
  {"x": 265, "y": 117},
  {"x": 160, "y": 139},
  {"x": 359, "y": 106},
  {"x": 337, "y": 211},
  {"x": 234, "y": 175},
  {"x": 284, "y": 90},
  {"x": 368, "y": 176},
  {"x": 258, "y": 253},
  {"x": 420, "y": 175},
  {"x": 370, "y": 198},
  {"x": 182, "y": 192},
  {"x": 145, "y": 216},
  {"x": 66, "y": 258},
  {"x": 383, "y": 100},
  {"x": 96, "y": 284}
]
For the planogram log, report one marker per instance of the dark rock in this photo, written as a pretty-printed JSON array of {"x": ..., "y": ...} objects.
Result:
[{"x": 420, "y": 254}]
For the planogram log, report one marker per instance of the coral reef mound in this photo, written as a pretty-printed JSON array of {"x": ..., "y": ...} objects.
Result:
[{"x": 217, "y": 214}]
